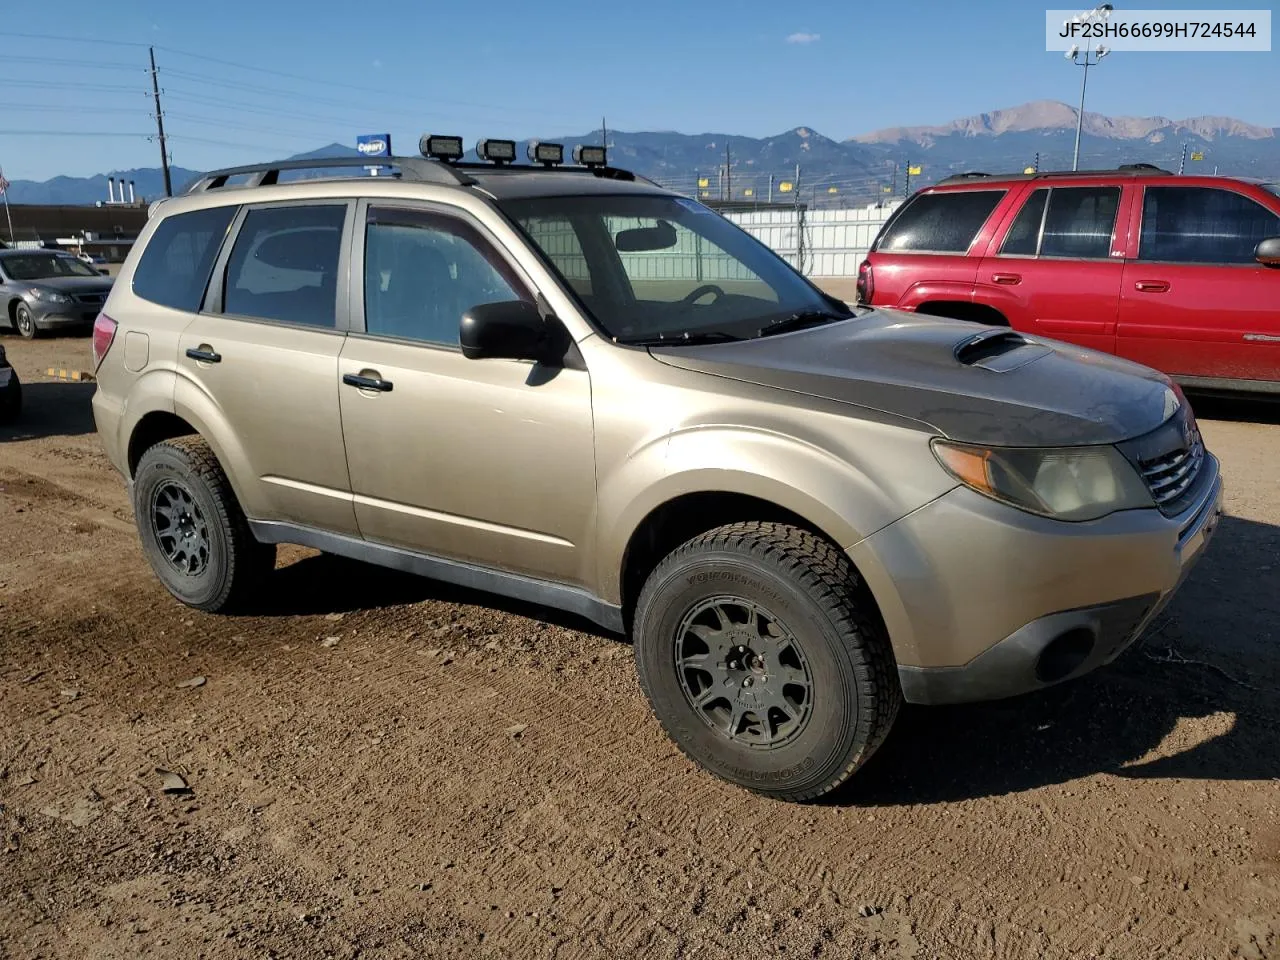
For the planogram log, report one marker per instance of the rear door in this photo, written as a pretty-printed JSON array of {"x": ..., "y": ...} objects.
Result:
[
  {"x": 259, "y": 364},
  {"x": 1057, "y": 271},
  {"x": 923, "y": 253},
  {"x": 1195, "y": 303}
]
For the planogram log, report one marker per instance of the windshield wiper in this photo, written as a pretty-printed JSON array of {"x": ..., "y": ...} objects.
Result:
[
  {"x": 797, "y": 321},
  {"x": 688, "y": 338}
]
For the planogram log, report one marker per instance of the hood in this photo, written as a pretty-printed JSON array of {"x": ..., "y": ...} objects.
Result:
[
  {"x": 72, "y": 285},
  {"x": 970, "y": 382}
]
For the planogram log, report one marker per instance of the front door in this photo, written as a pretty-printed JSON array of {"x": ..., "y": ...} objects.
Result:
[
  {"x": 262, "y": 359},
  {"x": 1057, "y": 271},
  {"x": 483, "y": 461},
  {"x": 1195, "y": 303}
]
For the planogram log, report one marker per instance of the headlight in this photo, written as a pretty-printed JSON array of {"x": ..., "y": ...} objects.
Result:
[
  {"x": 1068, "y": 483},
  {"x": 49, "y": 296}
]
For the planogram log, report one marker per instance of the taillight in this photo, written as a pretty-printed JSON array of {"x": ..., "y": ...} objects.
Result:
[
  {"x": 866, "y": 282},
  {"x": 104, "y": 333}
]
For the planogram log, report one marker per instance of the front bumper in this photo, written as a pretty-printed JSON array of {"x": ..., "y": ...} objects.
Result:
[
  {"x": 982, "y": 601},
  {"x": 60, "y": 316}
]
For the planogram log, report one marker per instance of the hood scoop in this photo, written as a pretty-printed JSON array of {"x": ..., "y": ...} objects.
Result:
[{"x": 999, "y": 350}]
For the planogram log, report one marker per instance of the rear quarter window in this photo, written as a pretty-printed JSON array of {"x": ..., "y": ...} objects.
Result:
[
  {"x": 174, "y": 268},
  {"x": 944, "y": 222}
]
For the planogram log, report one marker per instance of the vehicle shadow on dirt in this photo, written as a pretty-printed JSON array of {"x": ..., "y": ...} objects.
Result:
[
  {"x": 1208, "y": 406},
  {"x": 1212, "y": 653},
  {"x": 52, "y": 410},
  {"x": 323, "y": 584}
]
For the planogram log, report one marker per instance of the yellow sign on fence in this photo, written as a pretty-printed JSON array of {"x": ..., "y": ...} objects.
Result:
[
  {"x": 786, "y": 186},
  {"x": 914, "y": 171},
  {"x": 1197, "y": 155},
  {"x": 704, "y": 181}
]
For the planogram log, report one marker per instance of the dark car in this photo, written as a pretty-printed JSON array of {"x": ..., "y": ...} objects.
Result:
[
  {"x": 10, "y": 390},
  {"x": 46, "y": 290},
  {"x": 1175, "y": 272}
]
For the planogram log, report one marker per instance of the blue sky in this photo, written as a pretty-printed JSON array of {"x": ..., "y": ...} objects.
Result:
[{"x": 518, "y": 68}]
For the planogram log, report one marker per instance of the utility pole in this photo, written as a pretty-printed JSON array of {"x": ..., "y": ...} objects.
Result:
[
  {"x": 799, "y": 209},
  {"x": 771, "y": 189},
  {"x": 894, "y": 191},
  {"x": 1092, "y": 58},
  {"x": 728, "y": 173},
  {"x": 164, "y": 149}
]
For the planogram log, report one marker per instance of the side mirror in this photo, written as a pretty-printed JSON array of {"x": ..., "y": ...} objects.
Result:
[
  {"x": 1267, "y": 252},
  {"x": 510, "y": 330}
]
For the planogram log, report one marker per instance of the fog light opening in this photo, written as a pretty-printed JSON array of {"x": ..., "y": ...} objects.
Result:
[{"x": 1064, "y": 655}]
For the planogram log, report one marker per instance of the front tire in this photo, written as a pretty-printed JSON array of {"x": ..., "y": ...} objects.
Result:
[
  {"x": 24, "y": 323},
  {"x": 193, "y": 531},
  {"x": 763, "y": 661}
]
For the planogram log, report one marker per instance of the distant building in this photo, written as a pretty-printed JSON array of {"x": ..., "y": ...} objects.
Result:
[{"x": 107, "y": 231}]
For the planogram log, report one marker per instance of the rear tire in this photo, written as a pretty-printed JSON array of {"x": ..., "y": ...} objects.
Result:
[
  {"x": 193, "y": 531},
  {"x": 763, "y": 660}
]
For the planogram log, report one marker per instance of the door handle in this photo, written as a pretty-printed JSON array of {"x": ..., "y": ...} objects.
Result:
[
  {"x": 367, "y": 383},
  {"x": 1152, "y": 286},
  {"x": 204, "y": 354},
  {"x": 1006, "y": 278}
]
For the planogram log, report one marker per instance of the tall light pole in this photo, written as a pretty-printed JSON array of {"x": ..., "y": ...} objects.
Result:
[{"x": 1086, "y": 58}]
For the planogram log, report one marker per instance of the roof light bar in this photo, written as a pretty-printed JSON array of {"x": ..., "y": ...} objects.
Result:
[
  {"x": 497, "y": 151},
  {"x": 439, "y": 147},
  {"x": 589, "y": 156},
  {"x": 547, "y": 154}
]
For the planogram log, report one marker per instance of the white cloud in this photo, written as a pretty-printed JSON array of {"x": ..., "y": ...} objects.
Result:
[{"x": 804, "y": 38}]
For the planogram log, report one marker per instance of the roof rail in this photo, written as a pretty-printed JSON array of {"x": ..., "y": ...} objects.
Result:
[
  {"x": 1124, "y": 170},
  {"x": 417, "y": 169}
]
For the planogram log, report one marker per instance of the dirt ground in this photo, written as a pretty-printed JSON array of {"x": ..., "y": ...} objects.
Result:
[{"x": 381, "y": 766}]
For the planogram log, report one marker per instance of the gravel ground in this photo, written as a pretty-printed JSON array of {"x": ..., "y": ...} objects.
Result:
[{"x": 381, "y": 766}]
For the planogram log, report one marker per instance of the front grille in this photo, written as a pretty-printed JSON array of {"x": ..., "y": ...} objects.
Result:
[
  {"x": 91, "y": 298},
  {"x": 1171, "y": 476},
  {"x": 1171, "y": 460}
]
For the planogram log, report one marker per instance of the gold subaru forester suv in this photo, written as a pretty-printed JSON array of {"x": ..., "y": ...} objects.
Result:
[{"x": 560, "y": 382}]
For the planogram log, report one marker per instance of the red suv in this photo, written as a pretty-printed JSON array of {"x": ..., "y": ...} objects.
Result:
[{"x": 1179, "y": 273}]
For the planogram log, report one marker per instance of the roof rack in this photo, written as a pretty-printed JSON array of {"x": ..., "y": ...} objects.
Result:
[
  {"x": 413, "y": 169},
  {"x": 417, "y": 169},
  {"x": 1124, "y": 170}
]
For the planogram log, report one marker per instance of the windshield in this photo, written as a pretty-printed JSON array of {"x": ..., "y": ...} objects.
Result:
[
  {"x": 659, "y": 267},
  {"x": 43, "y": 266}
]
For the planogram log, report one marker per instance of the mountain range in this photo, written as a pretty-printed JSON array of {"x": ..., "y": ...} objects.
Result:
[{"x": 858, "y": 169}]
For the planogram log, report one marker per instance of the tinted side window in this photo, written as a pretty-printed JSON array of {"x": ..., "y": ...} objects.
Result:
[
  {"x": 1023, "y": 237},
  {"x": 284, "y": 265},
  {"x": 1202, "y": 225},
  {"x": 1080, "y": 222},
  {"x": 940, "y": 222},
  {"x": 174, "y": 269},
  {"x": 422, "y": 271}
]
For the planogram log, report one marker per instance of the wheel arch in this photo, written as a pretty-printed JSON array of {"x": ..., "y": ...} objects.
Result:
[{"x": 964, "y": 310}]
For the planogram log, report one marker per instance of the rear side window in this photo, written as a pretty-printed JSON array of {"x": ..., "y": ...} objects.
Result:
[
  {"x": 1080, "y": 222},
  {"x": 1202, "y": 225},
  {"x": 174, "y": 269},
  {"x": 1023, "y": 238},
  {"x": 940, "y": 222},
  {"x": 284, "y": 265}
]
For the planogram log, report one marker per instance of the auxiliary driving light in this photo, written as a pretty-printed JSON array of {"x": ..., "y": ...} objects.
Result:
[
  {"x": 589, "y": 156},
  {"x": 547, "y": 154},
  {"x": 497, "y": 151},
  {"x": 440, "y": 148}
]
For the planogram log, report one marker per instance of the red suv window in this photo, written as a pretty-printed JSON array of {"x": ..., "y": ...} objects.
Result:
[
  {"x": 942, "y": 222},
  {"x": 1202, "y": 225}
]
